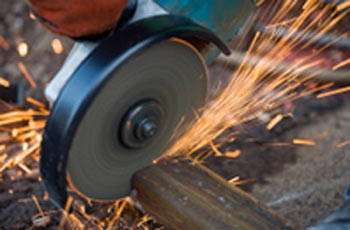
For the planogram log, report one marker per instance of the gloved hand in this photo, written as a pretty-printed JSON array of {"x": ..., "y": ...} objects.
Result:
[{"x": 78, "y": 18}]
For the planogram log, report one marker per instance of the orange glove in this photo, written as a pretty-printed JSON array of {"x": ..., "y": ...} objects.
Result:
[{"x": 78, "y": 18}]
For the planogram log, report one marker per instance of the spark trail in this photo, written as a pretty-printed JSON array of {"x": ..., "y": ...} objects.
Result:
[{"x": 258, "y": 85}]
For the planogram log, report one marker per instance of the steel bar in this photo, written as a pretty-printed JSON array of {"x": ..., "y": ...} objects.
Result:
[{"x": 183, "y": 195}]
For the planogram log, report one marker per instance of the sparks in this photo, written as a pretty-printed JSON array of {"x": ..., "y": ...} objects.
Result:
[
  {"x": 26, "y": 126},
  {"x": 274, "y": 121},
  {"x": 234, "y": 154},
  {"x": 340, "y": 145},
  {"x": 341, "y": 64},
  {"x": 27, "y": 75},
  {"x": 216, "y": 150},
  {"x": 32, "y": 16},
  {"x": 57, "y": 46},
  {"x": 37, "y": 204},
  {"x": 343, "y": 6},
  {"x": 66, "y": 212},
  {"x": 243, "y": 181},
  {"x": 4, "y": 82},
  {"x": 35, "y": 102},
  {"x": 25, "y": 168},
  {"x": 234, "y": 180},
  {"x": 3, "y": 43},
  {"x": 260, "y": 84},
  {"x": 119, "y": 211},
  {"x": 333, "y": 92},
  {"x": 23, "y": 49},
  {"x": 304, "y": 142}
]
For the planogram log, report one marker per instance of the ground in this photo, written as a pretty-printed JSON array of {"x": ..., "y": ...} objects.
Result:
[
  {"x": 303, "y": 183},
  {"x": 315, "y": 184}
]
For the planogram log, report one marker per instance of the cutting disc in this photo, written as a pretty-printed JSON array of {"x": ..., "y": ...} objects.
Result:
[{"x": 149, "y": 100}]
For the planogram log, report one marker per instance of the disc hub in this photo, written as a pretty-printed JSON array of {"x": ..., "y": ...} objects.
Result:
[
  {"x": 141, "y": 123},
  {"x": 146, "y": 129}
]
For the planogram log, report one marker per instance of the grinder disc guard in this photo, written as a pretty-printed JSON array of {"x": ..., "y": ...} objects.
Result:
[{"x": 133, "y": 118}]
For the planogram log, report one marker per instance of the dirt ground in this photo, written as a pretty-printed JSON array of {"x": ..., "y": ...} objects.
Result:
[
  {"x": 303, "y": 183},
  {"x": 315, "y": 184}
]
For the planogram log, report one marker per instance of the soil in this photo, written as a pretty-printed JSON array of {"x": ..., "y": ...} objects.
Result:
[{"x": 303, "y": 183}]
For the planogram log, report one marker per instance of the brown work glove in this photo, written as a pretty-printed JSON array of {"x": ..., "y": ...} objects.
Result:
[{"x": 78, "y": 18}]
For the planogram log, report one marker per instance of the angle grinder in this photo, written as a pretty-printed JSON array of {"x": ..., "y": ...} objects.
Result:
[{"x": 120, "y": 102}]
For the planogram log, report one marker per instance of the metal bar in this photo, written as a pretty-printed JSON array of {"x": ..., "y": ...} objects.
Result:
[{"x": 182, "y": 195}]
